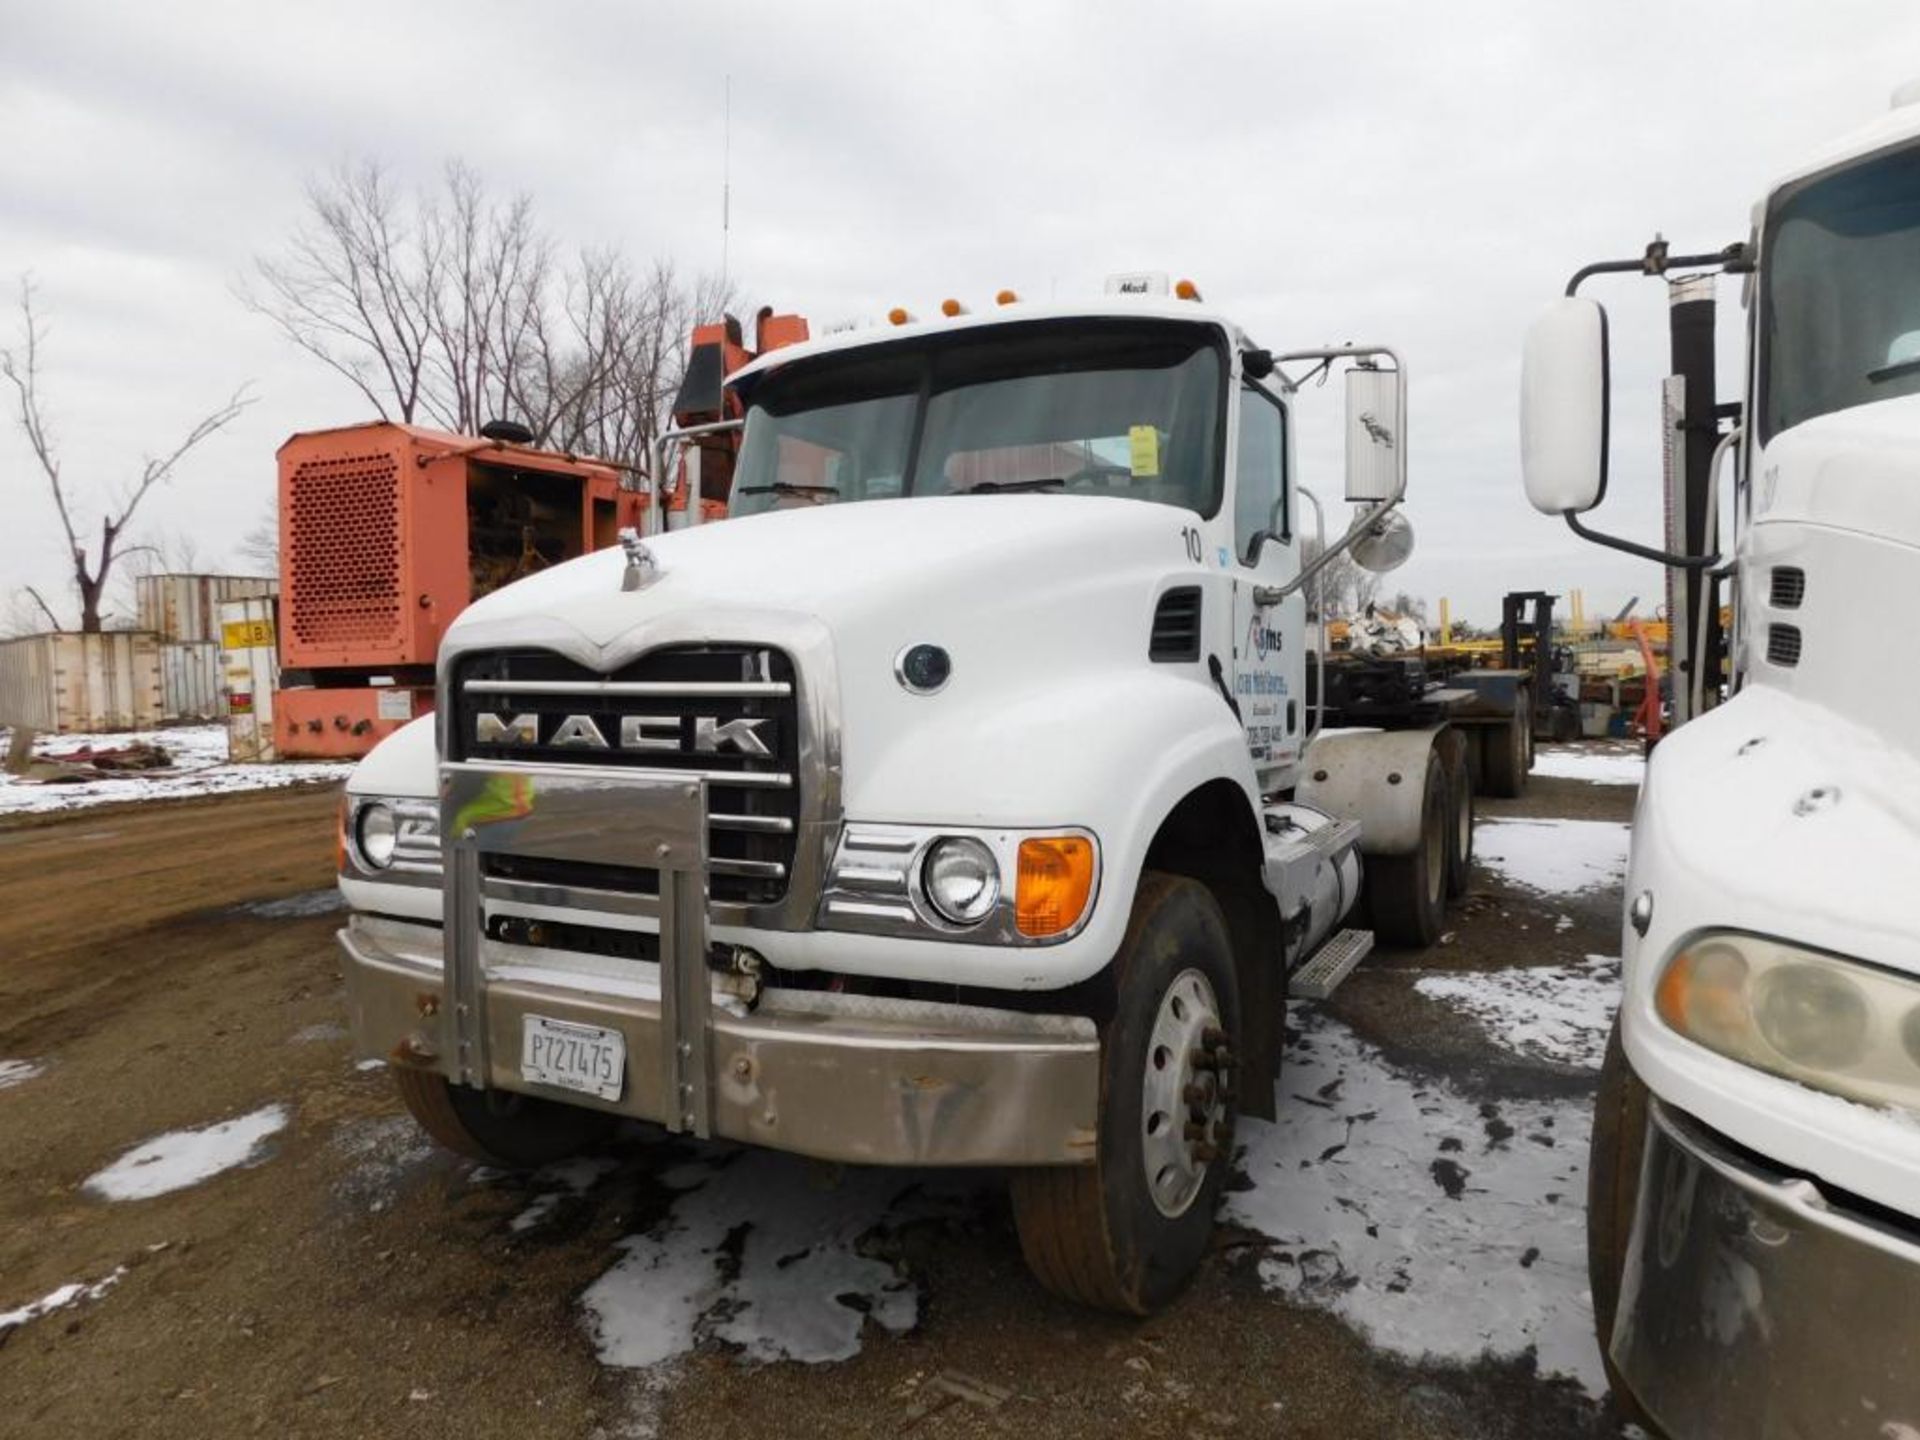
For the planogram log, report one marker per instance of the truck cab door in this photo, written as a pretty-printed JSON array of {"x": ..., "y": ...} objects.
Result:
[{"x": 1269, "y": 666}]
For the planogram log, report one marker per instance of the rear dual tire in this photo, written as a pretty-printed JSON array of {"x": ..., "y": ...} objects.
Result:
[{"x": 1407, "y": 894}]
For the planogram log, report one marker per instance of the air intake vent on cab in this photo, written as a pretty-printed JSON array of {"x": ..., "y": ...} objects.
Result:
[
  {"x": 1783, "y": 644},
  {"x": 1176, "y": 626},
  {"x": 1789, "y": 587}
]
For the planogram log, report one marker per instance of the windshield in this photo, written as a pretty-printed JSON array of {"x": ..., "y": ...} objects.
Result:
[
  {"x": 1842, "y": 294},
  {"x": 1087, "y": 407}
]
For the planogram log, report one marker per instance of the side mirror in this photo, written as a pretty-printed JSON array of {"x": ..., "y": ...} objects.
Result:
[
  {"x": 1563, "y": 407},
  {"x": 1376, "y": 446}
]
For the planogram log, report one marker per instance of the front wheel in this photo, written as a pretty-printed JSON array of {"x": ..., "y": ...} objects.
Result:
[
  {"x": 1127, "y": 1232},
  {"x": 497, "y": 1127},
  {"x": 1613, "y": 1194}
]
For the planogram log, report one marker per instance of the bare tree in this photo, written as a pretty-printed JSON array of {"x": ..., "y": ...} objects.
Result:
[
  {"x": 453, "y": 307},
  {"x": 260, "y": 546},
  {"x": 1343, "y": 589},
  {"x": 20, "y": 366}
]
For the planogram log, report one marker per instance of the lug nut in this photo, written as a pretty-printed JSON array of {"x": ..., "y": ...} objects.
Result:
[
  {"x": 1206, "y": 1154},
  {"x": 1213, "y": 1037},
  {"x": 1196, "y": 1093},
  {"x": 1195, "y": 1132}
]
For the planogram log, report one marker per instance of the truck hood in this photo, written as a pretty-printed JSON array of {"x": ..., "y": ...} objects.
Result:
[
  {"x": 1856, "y": 469},
  {"x": 843, "y": 563}
]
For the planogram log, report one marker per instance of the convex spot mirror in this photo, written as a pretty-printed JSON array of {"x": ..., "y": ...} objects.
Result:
[
  {"x": 1563, "y": 407},
  {"x": 1376, "y": 446},
  {"x": 1385, "y": 545}
]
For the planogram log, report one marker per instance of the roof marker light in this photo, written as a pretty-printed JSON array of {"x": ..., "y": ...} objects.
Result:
[
  {"x": 899, "y": 316},
  {"x": 1006, "y": 297},
  {"x": 1186, "y": 290},
  {"x": 951, "y": 308}
]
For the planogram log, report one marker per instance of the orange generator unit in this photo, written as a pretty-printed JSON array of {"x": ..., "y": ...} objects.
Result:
[{"x": 387, "y": 532}]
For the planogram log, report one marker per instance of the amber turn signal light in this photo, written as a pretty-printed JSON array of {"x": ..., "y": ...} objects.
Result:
[{"x": 1053, "y": 885}]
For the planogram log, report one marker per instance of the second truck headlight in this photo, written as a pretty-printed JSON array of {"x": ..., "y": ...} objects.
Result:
[{"x": 1828, "y": 1023}]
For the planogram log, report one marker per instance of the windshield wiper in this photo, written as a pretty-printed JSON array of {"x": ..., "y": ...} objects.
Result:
[
  {"x": 1010, "y": 487},
  {"x": 787, "y": 487},
  {"x": 1893, "y": 371}
]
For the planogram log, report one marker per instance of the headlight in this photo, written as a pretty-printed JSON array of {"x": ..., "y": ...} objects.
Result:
[
  {"x": 961, "y": 880},
  {"x": 1831, "y": 1024},
  {"x": 376, "y": 830}
]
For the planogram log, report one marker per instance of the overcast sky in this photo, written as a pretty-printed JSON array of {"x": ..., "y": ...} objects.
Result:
[{"x": 1423, "y": 174}]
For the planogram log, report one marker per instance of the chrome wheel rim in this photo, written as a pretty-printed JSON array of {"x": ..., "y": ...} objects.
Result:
[{"x": 1183, "y": 1093}]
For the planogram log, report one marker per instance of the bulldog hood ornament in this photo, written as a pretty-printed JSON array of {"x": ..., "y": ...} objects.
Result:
[{"x": 642, "y": 566}]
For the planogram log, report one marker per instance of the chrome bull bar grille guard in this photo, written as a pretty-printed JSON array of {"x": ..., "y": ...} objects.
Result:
[{"x": 575, "y": 813}]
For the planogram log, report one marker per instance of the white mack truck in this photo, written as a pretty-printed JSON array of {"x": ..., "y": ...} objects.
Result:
[
  {"x": 1754, "y": 1202},
  {"x": 958, "y": 801}
]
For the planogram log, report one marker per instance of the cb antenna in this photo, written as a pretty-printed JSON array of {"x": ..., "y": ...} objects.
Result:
[{"x": 726, "y": 185}]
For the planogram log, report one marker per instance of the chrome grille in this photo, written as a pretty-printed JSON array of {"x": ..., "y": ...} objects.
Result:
[{"x": 725, "y": 713}]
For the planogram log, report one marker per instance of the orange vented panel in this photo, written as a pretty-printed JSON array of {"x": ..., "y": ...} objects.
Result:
[{"x": 342, "y": 563}]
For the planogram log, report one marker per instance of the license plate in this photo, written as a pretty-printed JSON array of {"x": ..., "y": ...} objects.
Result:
[{"x": 585, "y": 1058}]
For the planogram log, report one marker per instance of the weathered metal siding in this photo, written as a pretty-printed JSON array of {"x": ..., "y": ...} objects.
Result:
[
  {"x": 69, "y": 683},
  {"x": 186, "y": 608},
  {"x": 191, "y": 683},
  {"x": 250, "y": 674}
]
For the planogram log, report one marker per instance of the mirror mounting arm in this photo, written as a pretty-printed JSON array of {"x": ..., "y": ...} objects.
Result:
[
  {"x": 1267, "y": 596},
  {"x": 1736, "y": 259},
  {"x": 1644, "y": 552}
]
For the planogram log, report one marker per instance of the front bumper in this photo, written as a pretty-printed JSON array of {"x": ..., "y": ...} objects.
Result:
[
  {"x": 840, "y": 1077},
  {"x": 1752, "y": 1306}
]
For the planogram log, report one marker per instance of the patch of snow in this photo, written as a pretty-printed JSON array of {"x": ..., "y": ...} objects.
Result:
[
  {"x": 752, "y": 1255},
  {"x": 186, "y": 1157},
  {"x": 1554, "y": 1012},
  {"x": 569, "y": 1178},
  {"x": 199, "y": 768},
  {"x": 381, "y": 1152},
  {"x": 297, "y": 907},
  {"x": 1598, "y": 767},
  {"x": 18, "y": 1072},
  {"x": 1553, "y": 857},
  {"x": 370, "y": 1064},
  {"x": 71, "y": 1294},
  {"x": 1435, "y": 1225},
  {"x": 318, "y": 1034}
]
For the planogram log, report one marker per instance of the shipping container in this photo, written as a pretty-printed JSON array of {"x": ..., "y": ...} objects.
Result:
[
  {"x": 192, "y": 683},
  {"x": 185, "y": 609},
  {"x": 250, "y": 668},
  {"x": 68, "y": 683}
]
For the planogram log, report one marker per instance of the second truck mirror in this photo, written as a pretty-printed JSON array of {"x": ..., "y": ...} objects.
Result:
[
  {"x": 1563, "y": 407},
  {"x": 1375, "y": 446}
]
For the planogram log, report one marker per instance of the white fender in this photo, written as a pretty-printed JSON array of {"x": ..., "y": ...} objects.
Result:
[{"x": 1373, "y": 776}]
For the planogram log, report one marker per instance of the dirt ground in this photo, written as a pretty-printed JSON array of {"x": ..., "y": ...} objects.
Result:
[{"x": 356, "y": 1282}]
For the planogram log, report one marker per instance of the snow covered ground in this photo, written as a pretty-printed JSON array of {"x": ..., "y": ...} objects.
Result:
[
  {"x": 186, "y": 1157},
  {"x": 754, "y": 1255},
  {"x": 18, "y": 1072},
  {"x": 199, "y": 768},
  {"x": 1551, "y": 1012},
  {"x": 1553, "y": 857},
  {"x": 1601, "y": 767},
  {"x": 73, "y": 1293},
  {"x": 1434, "y": 1224}
]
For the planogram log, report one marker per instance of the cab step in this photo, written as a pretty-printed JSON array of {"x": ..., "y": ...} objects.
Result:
[{"x": 1321, "y": 975}]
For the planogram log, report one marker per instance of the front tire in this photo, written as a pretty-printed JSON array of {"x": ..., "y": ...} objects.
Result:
[
  {"x": 1613, "y": 1195},
  {"x": 497, "y": 1127},
  {"x": 1127, "y": 1232}
]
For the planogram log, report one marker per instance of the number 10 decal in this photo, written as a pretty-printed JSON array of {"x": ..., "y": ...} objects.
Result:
[{"x": 1196, "y": 549}]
